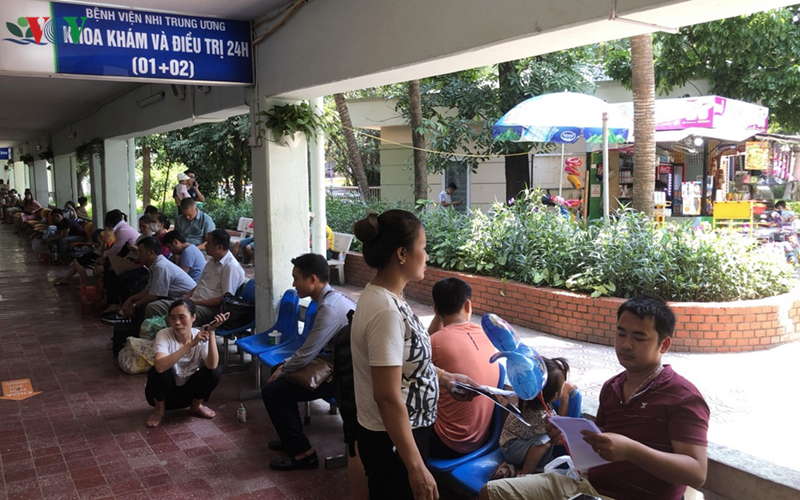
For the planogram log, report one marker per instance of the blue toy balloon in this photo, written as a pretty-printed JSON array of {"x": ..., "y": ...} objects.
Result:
[{"x": 526, "y": 370}]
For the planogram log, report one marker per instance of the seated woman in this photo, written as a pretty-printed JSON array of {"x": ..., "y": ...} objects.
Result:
[
  {"x": 101, "y": 239},
  {"x": 186, "y": 368},
  {"x": 29, "y": 208}
]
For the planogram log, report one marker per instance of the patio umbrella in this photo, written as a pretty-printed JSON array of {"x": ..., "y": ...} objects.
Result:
[{"x": 563, "y": 118}]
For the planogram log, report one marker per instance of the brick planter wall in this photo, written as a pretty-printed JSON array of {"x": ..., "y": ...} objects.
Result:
[{"x": 702, "y": 326}]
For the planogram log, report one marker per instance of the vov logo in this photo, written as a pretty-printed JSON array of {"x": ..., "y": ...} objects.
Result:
[{"x": 32, "y": 30}]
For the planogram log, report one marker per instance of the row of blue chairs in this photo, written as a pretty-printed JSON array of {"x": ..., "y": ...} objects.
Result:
[{"x": 472, "y": 471}]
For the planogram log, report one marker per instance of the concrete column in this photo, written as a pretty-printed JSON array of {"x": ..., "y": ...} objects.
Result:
[
  {"x": 39, "y": 187},
  {"x": 64, "y": 176},
  {"x": 98, "y": 205},
  {"x": 20, "y": 177},
  {"x": 280, "y": 214},
  {"x": 317, "y": 177},
  {"x": 115, "y": 177},
  {"x": 131, "y": 145},
  {"x": 73, "y": 169}
]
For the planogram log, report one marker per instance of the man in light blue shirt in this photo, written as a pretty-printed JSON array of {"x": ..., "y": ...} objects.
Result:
[
  {"x": 184, "y": 254},
  {"x": 193, "y": 224},
  {"x": 311, "y": 276}
]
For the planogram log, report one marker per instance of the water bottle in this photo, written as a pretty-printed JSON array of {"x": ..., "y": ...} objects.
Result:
[
  {"x": 341, "y": 257},
  {"x": 241, "y": 414}
]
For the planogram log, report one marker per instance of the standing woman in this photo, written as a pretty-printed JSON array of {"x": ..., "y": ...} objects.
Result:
[
  {"x": 396, "y": 384},
  {"x": 186, "y": 368}
]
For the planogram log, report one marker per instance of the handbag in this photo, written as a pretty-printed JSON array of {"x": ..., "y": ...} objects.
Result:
[
  {"x": 137, "y": 355},
  {"x": 242, "y": 311},
  {"x": 314, "y": 374}
]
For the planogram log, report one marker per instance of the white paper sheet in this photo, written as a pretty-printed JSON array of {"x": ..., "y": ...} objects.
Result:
[{"x": 583, "y": 456}]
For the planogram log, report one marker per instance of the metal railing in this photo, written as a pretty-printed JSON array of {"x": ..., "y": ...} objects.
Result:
[{"x": 351, "y": 192}]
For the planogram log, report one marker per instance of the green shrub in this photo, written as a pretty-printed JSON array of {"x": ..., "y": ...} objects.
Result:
[
  {"x": 226, "y": 213},
  {"x": 342, "y": 214},
  {"x": 628, "y": 256}
]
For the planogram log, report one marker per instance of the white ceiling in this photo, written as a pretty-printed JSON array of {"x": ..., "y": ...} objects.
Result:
[{"x": 35, "y": 107}]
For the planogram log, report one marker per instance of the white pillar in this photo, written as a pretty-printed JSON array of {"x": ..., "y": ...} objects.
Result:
[
  {"x": 39, "y": 187},
  {"x": 132, "y": 199},
  {"x": 98, "y": 205},
  {"x": 317, "y": 175},
  {"x": 64, "y": 175},
  {"x": 20, "y": 177},
  {"x": 115, "y": 177},
  {"x": 280, "y": 214}
]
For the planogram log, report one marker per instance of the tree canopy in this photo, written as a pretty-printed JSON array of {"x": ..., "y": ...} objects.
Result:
[{"x": 753, "y": 58}]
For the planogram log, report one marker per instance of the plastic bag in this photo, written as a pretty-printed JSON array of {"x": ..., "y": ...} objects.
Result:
[
  {"x": 563, "y": 465},
  {"x": 152, "y": 326},
  {"x": 137, "y": 356}
]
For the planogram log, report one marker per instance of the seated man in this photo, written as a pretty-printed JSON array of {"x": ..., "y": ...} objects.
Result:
[
  {"x": 222, "y": 274},
  {"x": 311, "y": 275},
  {"x": 654, "y": 423},
  {"x": 167, "y": 281},
  {"x": 187, "y": 256},
  {"x": 67, "y": 231},
  {"x": 460, "y": 347},
  {"x": 193, "y": 224}
]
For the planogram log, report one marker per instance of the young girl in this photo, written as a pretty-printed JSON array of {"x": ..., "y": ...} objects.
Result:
[{"x": 527, "y": 449}]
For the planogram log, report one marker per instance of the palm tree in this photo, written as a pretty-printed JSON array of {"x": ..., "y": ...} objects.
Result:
[
  {"x": 418, "y": 140},
  {"x": 644, "y": 123},
  {"x": 352, "y": 146}
]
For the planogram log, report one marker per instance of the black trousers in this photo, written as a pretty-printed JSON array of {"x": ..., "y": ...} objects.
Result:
[
  {"x": 161, "y": 387},
  {"x": 387, "y": 476},
  {"x": 280, "y": 399},
  {"x": 438, "y": 448},
  {"x": 120, "y": 287}
]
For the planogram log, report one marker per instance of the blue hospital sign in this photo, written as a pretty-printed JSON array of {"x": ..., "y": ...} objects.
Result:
[
  {"x": 119, "y": 44},
  {"x": 5, "y": 153}
]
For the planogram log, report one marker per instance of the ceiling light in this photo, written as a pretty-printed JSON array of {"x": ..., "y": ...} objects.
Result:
[
  {"x": 158, "y": 96},
  {"x": 697, "y": 141}
]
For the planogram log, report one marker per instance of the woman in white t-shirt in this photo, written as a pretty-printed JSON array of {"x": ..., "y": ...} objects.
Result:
[
  {"x": 396, "y": 384},
  {"x": 186, "y": 368}
]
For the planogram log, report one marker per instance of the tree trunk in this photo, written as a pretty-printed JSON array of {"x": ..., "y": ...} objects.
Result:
[
  {"x": 145, "y": 174},
  {"x": 238, "y": 193},
  {"x": 352, "y": 147},
  {"x": 644, "y": 104},
  {"x": 517, "y": 168},
  {"x": 418, "y": 141}
]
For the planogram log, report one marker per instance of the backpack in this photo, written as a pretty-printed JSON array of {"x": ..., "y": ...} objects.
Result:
[{"x": 344, "y": 384}]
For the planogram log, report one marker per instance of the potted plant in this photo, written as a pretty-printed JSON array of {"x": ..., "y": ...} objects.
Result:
[
  {"x": 26, "y": 158},
  {"x": 289, "y": 120}
]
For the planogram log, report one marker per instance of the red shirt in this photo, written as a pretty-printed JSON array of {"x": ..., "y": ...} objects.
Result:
[
  {"x": 464, "y": 426},
  {"x": 671, "y": 409}
]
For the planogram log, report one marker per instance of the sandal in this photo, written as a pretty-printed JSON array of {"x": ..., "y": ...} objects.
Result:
[
  {"x": 504, "y": 471},
  {"x": 154, "y": 420}
]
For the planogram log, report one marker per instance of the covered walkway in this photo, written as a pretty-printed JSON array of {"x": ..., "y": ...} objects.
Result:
[{"x": 84, "y": 436}]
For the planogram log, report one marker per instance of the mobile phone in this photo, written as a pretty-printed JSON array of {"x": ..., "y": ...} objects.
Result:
[
  {"x": 216, "y": 323},
  {"x": 584, "y": 496}
]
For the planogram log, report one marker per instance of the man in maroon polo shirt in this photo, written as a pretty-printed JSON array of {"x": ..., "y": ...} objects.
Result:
[{"x": 654, "y": 423}]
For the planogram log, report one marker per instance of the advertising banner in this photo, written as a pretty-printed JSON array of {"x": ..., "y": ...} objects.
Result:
[{"x": 103, "y": 43}]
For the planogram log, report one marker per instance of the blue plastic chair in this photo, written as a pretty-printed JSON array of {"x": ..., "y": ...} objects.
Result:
[
  {"x": 248, "y": 292},
  {"x": 286, "y": 324},
  {"x": 276, "y": 355},
  {"x": 444, "y": 465},
  {"x": 473, "y": 475}
]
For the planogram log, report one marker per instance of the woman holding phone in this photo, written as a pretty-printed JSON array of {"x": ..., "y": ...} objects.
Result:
[{"x": 186, "y": 368}]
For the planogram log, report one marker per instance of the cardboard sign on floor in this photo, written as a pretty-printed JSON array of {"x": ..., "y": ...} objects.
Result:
[{"x": 17, "y": 390}]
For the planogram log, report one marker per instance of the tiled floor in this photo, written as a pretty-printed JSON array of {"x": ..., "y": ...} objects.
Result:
[{"x": 84, "y": 435}]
